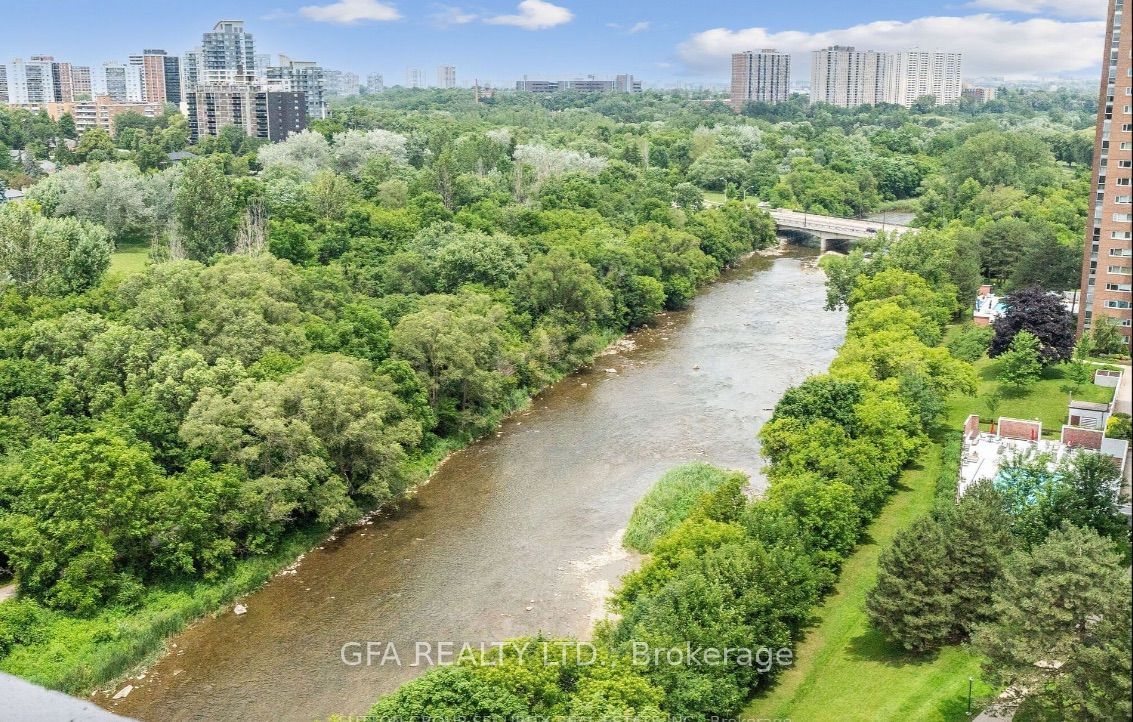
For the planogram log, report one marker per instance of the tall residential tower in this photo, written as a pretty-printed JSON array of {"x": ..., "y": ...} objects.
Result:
[
  {"x": 762, "y": 76},
  {"x": 847, "y": 77},
  {"x": 1107, "y": 266}
]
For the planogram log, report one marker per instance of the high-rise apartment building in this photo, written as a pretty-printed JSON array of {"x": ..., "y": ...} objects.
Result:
[
  {"x": 30, "y": 82},
  {"x": 261, "y": 113},
  {"x": 1107, "y": 265},
  {"x": 123, "y": 83},
  {"x": 302, "y": 76},
  {"x": 415, "y": 78},
  {"x": 912, "y": 75},
  {"x": 228, "y": 54},
  {"x": 446, "y": 76},
  {"x": 61, "y": 79},
  {"x": 171, "y": 66},
  {"x": 190, "y": 71},
  {"x": 762, "y": 76},
  {"x": 340, "y": 83},
  {"x": 375, "y": 83},
  {"x": 80, "y": 82},
  {"x": 152, "y": 64},
  {"x": 847, "y": 77},
  {"x": 263, "y": 62}
]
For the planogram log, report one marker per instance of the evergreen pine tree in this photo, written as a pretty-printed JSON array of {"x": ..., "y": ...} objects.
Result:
[{"x": 911, "y": 603}]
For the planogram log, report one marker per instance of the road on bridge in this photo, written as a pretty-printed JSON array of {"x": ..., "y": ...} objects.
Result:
[{"x": 830, "y": 225}]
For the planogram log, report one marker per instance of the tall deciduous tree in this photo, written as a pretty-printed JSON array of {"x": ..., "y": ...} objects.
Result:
[
  {"x": 1020, "y": 366},
  {"x": 204, "y": 210}
]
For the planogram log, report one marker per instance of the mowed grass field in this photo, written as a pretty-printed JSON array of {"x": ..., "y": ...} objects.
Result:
[
  {"x": 1045, "y": 400},
  {"x": 129, "y": 258}
]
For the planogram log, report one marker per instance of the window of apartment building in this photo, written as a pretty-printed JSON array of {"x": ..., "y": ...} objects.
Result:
[
  {"x": 1119, "y": 270},
  {"x": 1121, "y": 235},
  {"x": 1117, "y": 304},
  {"x": 1119, "y": 286},
  {"x": 1126, "y": 146},
  {"x": 1123, "y": 217},
  {"x": 1125, "y": 164},
  {"x": 1123, "y": 200},
  {"x": 1126, "y": 127},
  {"x": 1121, "y": 252},
  {"x": 1123, "y": 181}
]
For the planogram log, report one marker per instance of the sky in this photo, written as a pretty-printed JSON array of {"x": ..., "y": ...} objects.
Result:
[{"x": 658, "y": 41}]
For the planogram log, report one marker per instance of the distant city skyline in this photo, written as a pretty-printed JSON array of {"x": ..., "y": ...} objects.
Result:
[{"x": 500, "y": 41}]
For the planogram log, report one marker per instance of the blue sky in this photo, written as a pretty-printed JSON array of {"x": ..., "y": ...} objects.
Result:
[{"x": 500, "y": 40}]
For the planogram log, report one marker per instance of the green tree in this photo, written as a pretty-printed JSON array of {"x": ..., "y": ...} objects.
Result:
[
  {"x": 1105, "y": 336},
  {"x": 204, "y": 210},
  {"x": 292, "y": 241},
  {"x": 911, "y": 603},
  {"x": 971, "y": 343},
  {"x": 1061, "y": 628},
  {"x": 78, "y": 532},
  {"x": 50, "y": 255},
  {"x": 1020, "y": 366},
  {"x": 558, "y": 282}
]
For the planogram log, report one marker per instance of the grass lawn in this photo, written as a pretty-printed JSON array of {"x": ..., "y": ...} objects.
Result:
[
  {"x": 845, "y": 670},
  {"x": 129, "y": 258},
  {"x": 1045, "y": 400},
  {"x": 718, "y": 197}
]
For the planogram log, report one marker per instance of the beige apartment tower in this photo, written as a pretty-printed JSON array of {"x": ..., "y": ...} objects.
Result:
[
  {"x": 1107, "y": 265},
  {"x": 844, "y": 76},
  {"x": 762, "y": 76}
]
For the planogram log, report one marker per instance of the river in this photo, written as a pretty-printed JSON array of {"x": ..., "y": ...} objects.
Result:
[{"x": 519, "y": 532}]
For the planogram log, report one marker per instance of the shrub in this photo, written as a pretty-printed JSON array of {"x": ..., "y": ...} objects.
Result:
[{"x": 671, "y": 500}]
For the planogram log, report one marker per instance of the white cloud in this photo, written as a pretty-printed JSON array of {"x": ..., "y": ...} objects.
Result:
[
  {"x": 992, "y": 45},
  {"x": 1092, "y": 9},
  {"x": 449, "y": 15},
  {"x": 639, "y": 27},
  {"x": 348, "y": 12},
  {"x": 534, "y": 15},
  {"x": 277, "y": 14}
]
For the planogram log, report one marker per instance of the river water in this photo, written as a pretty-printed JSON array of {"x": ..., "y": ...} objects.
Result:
[{"x": 518, "y": 533}]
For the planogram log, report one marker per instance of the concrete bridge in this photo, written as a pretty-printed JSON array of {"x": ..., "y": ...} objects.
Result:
[{"x": 830, "y": 230}]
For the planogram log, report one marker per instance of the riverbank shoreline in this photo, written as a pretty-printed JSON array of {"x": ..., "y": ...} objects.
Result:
[
  {"x": 521, "y": 523},
  {"x": 103, "y": 693}
]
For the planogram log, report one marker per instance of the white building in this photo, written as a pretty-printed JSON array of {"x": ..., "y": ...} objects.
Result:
[
  {"x": 375, "y": 83},
  {"x": 228, "y": 54},
  {"x": 340, "y": 83},
  {"x": 29, "y": 82},
  {"x": 415, "y": 78},
  {"x": 446, "y": 76},
  {"x": 915, "y": 74},
  {"x": 190, "y": 71},
  {"x": 847, "y": 77}
]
